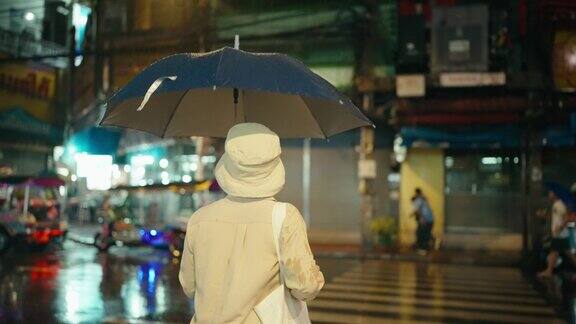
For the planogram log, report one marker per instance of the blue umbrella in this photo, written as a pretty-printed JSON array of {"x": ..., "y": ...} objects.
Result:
[
  {"x": 563, "y": 194},
  {"x": 205, "y": 94}
]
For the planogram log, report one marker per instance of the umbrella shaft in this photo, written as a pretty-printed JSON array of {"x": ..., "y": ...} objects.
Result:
[{"x": 237, "y": 114}]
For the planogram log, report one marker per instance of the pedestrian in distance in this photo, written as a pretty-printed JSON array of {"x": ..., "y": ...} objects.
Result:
[
  {"x": 425, "y": 218},
  {"x": 230, "y": 263}
]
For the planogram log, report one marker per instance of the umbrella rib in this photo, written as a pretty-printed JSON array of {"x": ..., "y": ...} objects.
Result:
[
  {"x": 218, "y": 67},
  {"x": 173, "y": 112},
  {"x": 313, "y": 116}
]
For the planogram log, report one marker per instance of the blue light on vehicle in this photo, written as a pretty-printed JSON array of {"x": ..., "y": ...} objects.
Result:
[
  {"x": 142, "y": 232},
  {"x": 153, "y": 232},
  {"x": 151, "y": 275}
]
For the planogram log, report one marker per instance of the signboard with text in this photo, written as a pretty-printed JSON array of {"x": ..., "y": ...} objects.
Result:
[
  {"x": 410, "y": 85},
  {"x": 472, "y": 79},
  {"x": 28, "y": 87}
]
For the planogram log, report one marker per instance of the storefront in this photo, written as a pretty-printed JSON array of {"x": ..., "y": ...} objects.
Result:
[
  {"x": 473, "y": 181},
  {"x": 483, "y": 198}
]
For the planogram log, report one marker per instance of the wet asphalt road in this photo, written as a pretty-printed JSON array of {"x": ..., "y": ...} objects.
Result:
[{"x": 76, "y": 284}]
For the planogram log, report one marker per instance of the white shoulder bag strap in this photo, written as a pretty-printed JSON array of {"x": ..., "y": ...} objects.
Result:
[
  {"x": 278, "y": 216},
  {"x": 279, "y": 307}
]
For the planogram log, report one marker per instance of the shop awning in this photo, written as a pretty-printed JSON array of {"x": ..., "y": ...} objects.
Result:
[
  {"x": 95, "y": 140},
  {"x": 556, "y": 136},
  {"x": 492, "y": 137}
]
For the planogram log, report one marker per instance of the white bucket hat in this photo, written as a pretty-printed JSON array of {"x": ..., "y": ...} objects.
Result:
[{"x": 251, "y": 166}]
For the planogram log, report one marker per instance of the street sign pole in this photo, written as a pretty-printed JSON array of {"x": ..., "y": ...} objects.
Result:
[{"x": 366, "y": 173}]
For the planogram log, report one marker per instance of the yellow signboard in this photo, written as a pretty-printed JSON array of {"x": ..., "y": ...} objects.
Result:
[{"x": 28, "y": 87}]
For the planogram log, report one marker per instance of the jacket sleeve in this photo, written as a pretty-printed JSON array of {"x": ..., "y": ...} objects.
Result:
[
  {"x": 301, "y": 273},
  {"x": 187, "y": 267}
]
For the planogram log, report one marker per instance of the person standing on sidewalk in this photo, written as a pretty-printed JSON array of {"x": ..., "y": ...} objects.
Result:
[
  {"x": 560, "y": 244},
  {"x": 229, "y": 262},
  {"x": 425, "y": 218}
]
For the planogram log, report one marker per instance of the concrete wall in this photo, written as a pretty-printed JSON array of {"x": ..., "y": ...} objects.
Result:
[
  {"x": 24, "y": 162},
  {"x": 423, "y": 168},
  {"x": 509, "y": 242}
]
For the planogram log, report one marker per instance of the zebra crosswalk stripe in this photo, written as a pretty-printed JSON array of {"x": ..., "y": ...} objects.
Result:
[{"x": 364, "y": 294}]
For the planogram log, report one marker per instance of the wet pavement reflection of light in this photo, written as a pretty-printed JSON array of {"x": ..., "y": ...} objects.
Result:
[
  {"x": 417, "y": 292},
  {"x": 78, "y": 285}
]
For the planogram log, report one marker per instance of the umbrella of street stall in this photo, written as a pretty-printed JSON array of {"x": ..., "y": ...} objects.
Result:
[
  {"x": 187, "y": 95},
  {"x": 43, "y": 180}
]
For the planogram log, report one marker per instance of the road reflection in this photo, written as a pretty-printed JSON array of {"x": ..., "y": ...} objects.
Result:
[{"x": 78, "y": 285}]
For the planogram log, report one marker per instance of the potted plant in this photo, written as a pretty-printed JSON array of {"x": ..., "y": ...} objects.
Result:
[{"x": 385, "y": 230}]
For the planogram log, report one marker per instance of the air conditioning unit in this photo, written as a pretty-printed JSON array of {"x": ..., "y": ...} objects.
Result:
[{"x": 460, "y": 39}]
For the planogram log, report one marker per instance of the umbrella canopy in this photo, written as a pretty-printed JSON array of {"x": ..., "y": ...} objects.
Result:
[{"x": 187, "y": 95}]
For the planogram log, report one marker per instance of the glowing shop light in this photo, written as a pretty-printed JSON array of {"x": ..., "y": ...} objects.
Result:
[
  {"x": 489, "y": 160},
  {"x": 29, "y": 16},
  {"x": 142, "y": 160},
  {"x": 165, "y": 177},
  {"x": 63, "y": 172},
  {"x": 97, "y": 169}
]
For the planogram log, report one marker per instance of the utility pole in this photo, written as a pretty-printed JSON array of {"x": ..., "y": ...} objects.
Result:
[
  {"x": 366, "y": 172},
  {"x": 367, "y": 37},
  {"x": 71, "y": 88},
  {"x": 97, "y": 45}
]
